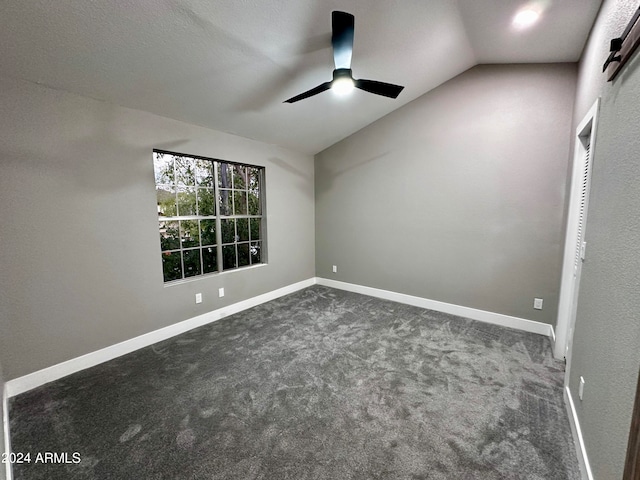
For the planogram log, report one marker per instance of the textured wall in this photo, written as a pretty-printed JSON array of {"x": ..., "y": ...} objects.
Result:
[
  {"x": 457, "y": 196},
  {"x": 606, "y": 347},
  {"x": 80, "y": 253}
]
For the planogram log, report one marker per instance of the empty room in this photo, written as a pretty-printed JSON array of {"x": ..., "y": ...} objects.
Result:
[{"x": 320, "y": 239}]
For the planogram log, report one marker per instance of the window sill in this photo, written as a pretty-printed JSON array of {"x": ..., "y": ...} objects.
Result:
[{"x": 212, "y": 275}]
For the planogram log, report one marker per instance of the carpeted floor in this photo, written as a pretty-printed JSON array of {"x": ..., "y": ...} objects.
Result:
[{"x": 320, "y": 384}]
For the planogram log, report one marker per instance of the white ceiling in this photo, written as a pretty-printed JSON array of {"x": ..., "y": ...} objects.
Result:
[{"x": 229, "y": 64}]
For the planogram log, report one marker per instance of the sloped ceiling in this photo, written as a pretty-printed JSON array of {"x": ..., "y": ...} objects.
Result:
[{"x": 229, "y": 64}]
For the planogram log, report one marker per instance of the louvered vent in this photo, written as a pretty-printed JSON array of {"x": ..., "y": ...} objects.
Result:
[{"x": 583, "y": 206}]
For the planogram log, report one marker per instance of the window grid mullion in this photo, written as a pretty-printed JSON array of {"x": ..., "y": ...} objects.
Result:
[
  {"x": 175, "y": 187},
  {"x": 216, "y": 166},
  {"x": 200, "y": 248}
]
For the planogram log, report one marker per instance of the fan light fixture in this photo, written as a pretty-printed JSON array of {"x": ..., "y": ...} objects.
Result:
[
  {"x": 343, "y": 86},
  {"x": 342, "y": 24}
]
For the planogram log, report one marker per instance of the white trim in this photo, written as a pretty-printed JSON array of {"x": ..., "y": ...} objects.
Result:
[
  {"x": 581, "y": 451},
  {"x": 5, "y": 431},
  {"x": 566, "y": 310},
  {"x": 472, "y": 313},
  {"x": 552, "y": 338},
  {"x": 33, "y": 380},
  {"x": 28, "y": 382}
]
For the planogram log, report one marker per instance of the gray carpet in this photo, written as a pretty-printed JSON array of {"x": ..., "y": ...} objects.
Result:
[{"x": 320, "y": 384}]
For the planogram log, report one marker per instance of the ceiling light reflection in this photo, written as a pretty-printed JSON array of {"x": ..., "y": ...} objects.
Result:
[{"x": 525, "y": 18}]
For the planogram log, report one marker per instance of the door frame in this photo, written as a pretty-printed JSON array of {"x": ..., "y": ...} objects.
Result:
[
  {"x": 585, "y": 135},
  {"x": 632, "y": 463}
]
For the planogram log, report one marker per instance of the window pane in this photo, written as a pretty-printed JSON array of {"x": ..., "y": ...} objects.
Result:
[
  {"x": 189, "y": 234},
  {"x": 255, "y": 253},
  {"x": 212, "y": 200},
  {"x": 243, "y": 254},
  {"x": 224, "y": 202},
  {"x": 191, "y": 259},
  {"x": 242, "y": 224},
  {"x": 239, "y": 177},
  {"x": 163, "y": 168},
  {"x": 228, "y": 227},
  {"x": 224, "y": 175},
  {"x": 254, "y": 203},
  {"x": 254, "y": 178},
  {"x": 171, "y": 266},
  {"x": 166, "y": 196},
  {"x": 209, "y": 260},
  {"x": 255, "y": 228},
  {"x": 185, "y": 171},
  {"x": 204, "y": 172},
  {"x": 169, "y": 236},
  {"x": 186, "y": 201},
  {"x": 206, "y": 205},
  {"x": 229, "y": 257},
  {"x": 208, "y": 232},
  {"x": 240, "y": 202}
]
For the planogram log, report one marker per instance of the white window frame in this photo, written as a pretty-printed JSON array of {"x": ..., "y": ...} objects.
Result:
[{"x": 218, "y": 218}]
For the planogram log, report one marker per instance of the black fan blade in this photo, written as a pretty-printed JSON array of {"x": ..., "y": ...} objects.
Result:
[
  {"x": 342, "y": 38},
  {"x": 379, "y": 88},
  {"x": 310, "y": 93}
]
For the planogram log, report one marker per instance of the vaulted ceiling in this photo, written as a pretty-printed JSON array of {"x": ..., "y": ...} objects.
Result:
[{"x": 230, "y": 64}]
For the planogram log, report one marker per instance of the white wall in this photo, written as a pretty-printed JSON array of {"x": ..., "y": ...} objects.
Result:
[
  {"x": 606, "y": 346},
  {"x": 457, "y": 196},
  {"x": 80, "y": 256}
]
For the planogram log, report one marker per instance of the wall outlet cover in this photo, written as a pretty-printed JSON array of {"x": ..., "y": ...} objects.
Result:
[
  {"x": 537, "y": 303},
  {"x": 198, "y": 298},
  {"x": 221, "y": 292},
  {"x": 335, "y": 269}
]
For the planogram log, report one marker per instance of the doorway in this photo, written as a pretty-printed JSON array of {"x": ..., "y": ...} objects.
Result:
[{"x": 575, "y": 248}]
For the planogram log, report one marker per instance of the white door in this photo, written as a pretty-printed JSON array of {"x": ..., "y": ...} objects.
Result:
[
  {"x": 575, "y": 243},
  {"x": 580, "y": 245}
]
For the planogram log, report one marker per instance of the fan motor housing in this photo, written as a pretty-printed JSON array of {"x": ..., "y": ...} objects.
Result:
[{"x": 342, "y": 73}]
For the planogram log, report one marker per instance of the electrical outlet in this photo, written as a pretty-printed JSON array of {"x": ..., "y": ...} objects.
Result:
[
  {"x": 537, "y": 303},
  {"x": 335, "y": 269},
  {"x": 581, "y": 388},
  {"x": 198, "y": 298},
  {"x": 221, "y": 292}
]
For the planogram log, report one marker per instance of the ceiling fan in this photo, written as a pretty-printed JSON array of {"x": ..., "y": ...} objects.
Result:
[{"x": 342, "y": 41}]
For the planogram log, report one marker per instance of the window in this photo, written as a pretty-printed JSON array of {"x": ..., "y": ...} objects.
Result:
[{"x": 210, "y": 214}]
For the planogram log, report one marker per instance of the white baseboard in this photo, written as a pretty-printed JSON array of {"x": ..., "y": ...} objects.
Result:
[
  {"x": 581, "y": 451},
  {"x": 5, "y": 431},
  {"x": 472, "y": 313},
  {"x": 28, "y": 382}
]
